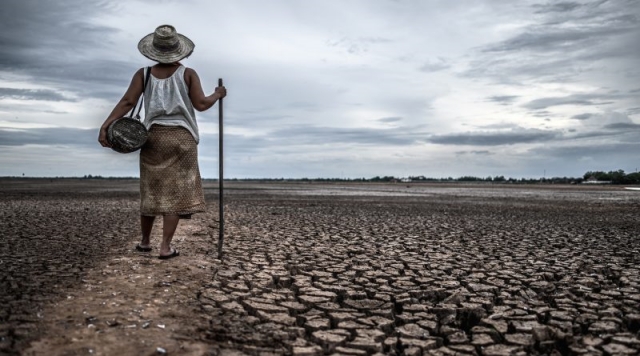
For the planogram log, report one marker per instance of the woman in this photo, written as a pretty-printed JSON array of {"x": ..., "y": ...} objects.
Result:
[{"x": 170, "y": 183}]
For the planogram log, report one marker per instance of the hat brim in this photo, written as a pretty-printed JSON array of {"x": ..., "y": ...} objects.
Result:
[{"x": 184, "y": 49}]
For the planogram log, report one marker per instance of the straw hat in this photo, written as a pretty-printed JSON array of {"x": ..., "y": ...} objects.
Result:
[{"x": 165, "y": 45}]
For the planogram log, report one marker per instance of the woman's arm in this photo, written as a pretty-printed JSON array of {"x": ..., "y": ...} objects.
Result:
[
  {"x": 125, "y": 104},
  {"x": 200, "y": 101}
]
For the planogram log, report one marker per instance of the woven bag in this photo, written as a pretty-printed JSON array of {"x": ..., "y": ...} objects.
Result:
[{"x": 128, "y": 134}]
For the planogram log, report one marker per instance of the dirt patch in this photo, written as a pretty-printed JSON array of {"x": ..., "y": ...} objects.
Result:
[{"x": 470, "y": 273}]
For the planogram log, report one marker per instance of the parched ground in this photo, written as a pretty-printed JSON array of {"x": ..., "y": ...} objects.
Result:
[{"x": 314, "y": 269}]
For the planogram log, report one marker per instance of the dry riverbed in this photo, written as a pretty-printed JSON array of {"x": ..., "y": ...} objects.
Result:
[{"x": 314, "y": 269}]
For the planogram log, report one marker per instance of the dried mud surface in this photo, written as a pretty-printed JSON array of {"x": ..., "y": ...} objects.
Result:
[{"x": 314, "y": 269}]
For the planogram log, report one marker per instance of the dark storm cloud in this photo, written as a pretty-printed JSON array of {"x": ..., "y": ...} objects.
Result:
[
  {"x": 49, "y": 136},
  {"x": 55, "y": 42},
  {"x": 495, "y": 138},
  {"x": 32, "y": 94},
  {"x": 563, "y": 43},
  {"x": 589, "y": 27}
]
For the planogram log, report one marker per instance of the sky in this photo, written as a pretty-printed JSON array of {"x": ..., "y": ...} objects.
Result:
[{"x": 342, "y": 89}]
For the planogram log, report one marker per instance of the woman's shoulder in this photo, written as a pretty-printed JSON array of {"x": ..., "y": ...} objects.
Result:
[
  {"x": 189, "y": 73},
  {"x": 189, "y": 70}
]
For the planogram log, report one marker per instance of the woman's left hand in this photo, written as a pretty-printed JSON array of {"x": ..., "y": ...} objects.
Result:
[{"x": 221, "y": 92}]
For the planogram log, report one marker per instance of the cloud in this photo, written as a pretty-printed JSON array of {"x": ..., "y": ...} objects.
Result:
[
  {"x": 611, "y": 151},
  {"x": 565, "y": 42},
  {"x": 358, "y": 45},
  {"x": 503, "y": 99},
  {"x": 557, "y": 7},
  {"x": 499, "y": 126},
  {"x": 49, "y": 137},
  {"x": 541, "y": 113},
  {"x": 585, "y": 116},
  {"x": 32, "y": 94},
  {"x": 574, "y": 99},
  {"x": 606, "y": 118},
  {"x": 371, "y": 99},
  {"x": 390, "y": 119},
  {"x": 317, "y": 135},
  {"x": 56, "y": 43},
  {"x": 623, "y": 126},
  {"x": 499, "y": 138},
  {"x": 435, "y": 65},
  {"x": 587, "y": 28},
  {"x": 475, "y": 152}
]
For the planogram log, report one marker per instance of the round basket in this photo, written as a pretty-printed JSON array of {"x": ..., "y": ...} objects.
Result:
[{"x": 127, "y": 135}]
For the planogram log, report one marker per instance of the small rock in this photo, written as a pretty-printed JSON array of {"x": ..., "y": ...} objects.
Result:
[
  {"x": 413, "y": 331},
  {"x": 329, "y": 339},
  {"x": 500, "y": 350},
  {"x": 458, "y": 338},
  {"x": 314, "y": 350},
  {"x": 519, "y": 339},
  {"x": 349, "y": 351},
  {"x": 618, "y": 349},
  {"x": 481, "y": 340},
  {"x": 601, "y": 327}
]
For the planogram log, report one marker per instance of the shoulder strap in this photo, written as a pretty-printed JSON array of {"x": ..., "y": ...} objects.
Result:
[{"x": 138, "y": 106}]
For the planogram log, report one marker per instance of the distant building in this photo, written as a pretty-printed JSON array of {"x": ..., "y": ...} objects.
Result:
[{"x": 594, "y": 180}]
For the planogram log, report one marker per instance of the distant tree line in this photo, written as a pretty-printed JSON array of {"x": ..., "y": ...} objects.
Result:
[
  {"x": 392, "y": 179},
  {"x": 615, "y": 177},
  {"x": 89, "y": 176},
  {"x": 612, "y": 177}
]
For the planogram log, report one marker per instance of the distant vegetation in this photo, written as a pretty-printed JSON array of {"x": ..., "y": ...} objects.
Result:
[
  {"x": 596, "y": 177},
  {"x": 612, "y": 177},
  {"x": 615, "y": 177}
]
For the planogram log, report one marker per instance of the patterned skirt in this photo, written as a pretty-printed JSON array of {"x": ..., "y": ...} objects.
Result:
[{"x": 170, "y": 182}]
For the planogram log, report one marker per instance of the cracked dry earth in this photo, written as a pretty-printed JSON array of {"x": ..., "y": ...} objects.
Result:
[{"x": 314, "y": 269}]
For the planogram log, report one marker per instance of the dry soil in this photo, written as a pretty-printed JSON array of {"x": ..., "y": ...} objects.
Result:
[{"x": 313, "y": 269}]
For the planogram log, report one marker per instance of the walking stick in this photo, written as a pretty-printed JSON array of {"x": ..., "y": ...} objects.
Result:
[{"x": 220, "y": 177}]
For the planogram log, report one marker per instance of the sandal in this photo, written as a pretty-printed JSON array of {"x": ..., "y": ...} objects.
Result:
[
  {"x": 143, "y": 248},
  {"x": 174, "y": 253}
]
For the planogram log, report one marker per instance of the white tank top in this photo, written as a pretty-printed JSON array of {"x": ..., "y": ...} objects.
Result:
[{"x": 167, "y": 103}]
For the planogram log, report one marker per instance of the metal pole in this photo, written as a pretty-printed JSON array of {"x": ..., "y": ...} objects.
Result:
[{"x": 220, "y": 176}]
